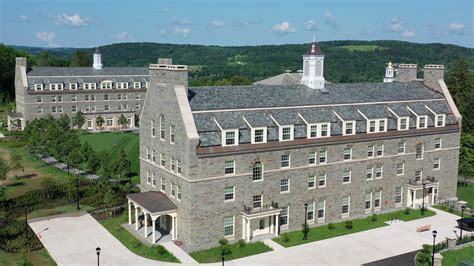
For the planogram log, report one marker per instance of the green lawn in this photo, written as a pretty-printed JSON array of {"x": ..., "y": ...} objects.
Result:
[
  {"x": 37, "y": 258},
  {"x": 114, "y": 226},
  {"x": 57, "y": 210},
  {"x": 467, "y": 194},
  {"x": 114, "y": 142},
  {"x": 358, "y": 225},
  {"x": 35, "y": 171},
  {"x": 214, "y": 254},
  {"x": 454, "y": 257}
]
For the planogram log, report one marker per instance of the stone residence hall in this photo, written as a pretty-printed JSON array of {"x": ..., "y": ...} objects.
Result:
[{"x": 239, "y": 162}]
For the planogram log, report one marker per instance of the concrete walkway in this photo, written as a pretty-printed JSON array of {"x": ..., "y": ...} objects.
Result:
[{"x": 72, "y": 241}]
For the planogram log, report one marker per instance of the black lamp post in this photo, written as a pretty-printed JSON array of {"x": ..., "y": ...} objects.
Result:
[
  {"x": 77, "y": 193},
  {"x": 434, "y": 237},
  {"x": 223, "y": 257},
  {"x": 97, "y": 250},
  {"x": 463, "y": 208},
  {"x": 305, "y": 237},
  {"x": 423, "y": 201}
]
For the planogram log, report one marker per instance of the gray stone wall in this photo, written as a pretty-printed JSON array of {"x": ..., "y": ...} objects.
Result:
[{"x": 407, "y": 72}]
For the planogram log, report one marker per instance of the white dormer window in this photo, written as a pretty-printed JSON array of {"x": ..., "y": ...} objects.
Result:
[
  {"x": 259, "y": 135},
  {"x": 376, "y": 125},
  {"x": 38, "y": 87},
  {"x": 286, "y": 133},
  {"x": 147, "y": 84},
  {"x": 56, "y": 86},
  {"x": 372, "y": 126},
  {"x": 230, "y": 137},
  {"x": 107, "y": 85},
  {"x": 403, "y": 123},
  {"x": 89, "y": 86},
  {"x": 73, "y": 86},
  {"x": 137, "y": 85},
  {"x": 422, "y": 121},
  {"x": 318, "y": 130},
  {"x": 348, "y": 128},
  {"x": 122, "y": 85},
  {"x": 440, "y": 120}
]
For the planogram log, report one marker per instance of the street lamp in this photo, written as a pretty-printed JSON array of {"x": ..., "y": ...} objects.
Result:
[
  {"x": 305, "y": 237},
  {"x": 463, "y": 208},
  {"x": 223, "y": 256},
  {"x": 434, "y": 237},
  {"x": 97, "y": 250},
  {"x": 77, "y": 193},
  {"x": 423, "y": 201}
]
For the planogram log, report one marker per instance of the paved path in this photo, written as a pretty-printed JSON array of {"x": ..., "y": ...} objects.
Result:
[{"x": 72, "y": 241}]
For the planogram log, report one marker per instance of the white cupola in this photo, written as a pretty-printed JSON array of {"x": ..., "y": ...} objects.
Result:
[
  {"x": 97, "y": 59},
  {"x": 313, "y": 67},
  {"x": 389, "y": 73}
]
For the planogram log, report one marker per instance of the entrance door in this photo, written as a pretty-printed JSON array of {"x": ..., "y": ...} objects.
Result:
[{"x": 260, "y": 226}]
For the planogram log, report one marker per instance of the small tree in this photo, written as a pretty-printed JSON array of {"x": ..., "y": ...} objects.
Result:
[
  {"x": 3, "y": 171},
  {"x": 225, "y": 249},
  {"x": 122, "y": 164},
  {"x": 79, "y": 119},
  {"x": 123, "y": 121},
  {"x": 16, "y": 163},
  {"x": 99, "y": 122}
]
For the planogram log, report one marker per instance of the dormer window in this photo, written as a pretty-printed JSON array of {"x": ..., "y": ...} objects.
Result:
[
  {"x": 318, "y": 130},
  {"x": 376, "y": 125},
  {"x": 440, "y": 120},
  {"x": 348, "y": 128},
  {"x": 403, "y": 123},
  {"x": 107, "y": 85},
  {"x": 422, "y": 122},
  {"x": 56, "y": 86},
  {"x": 286, "y": 133},
  {"x": 371, "y": 126},
  {"x": 137, "y": 85},
  {"x": 73, "y": 86},
  {"x": 89, "y": 86},
  {"x": 230, "y": 137},
  {"x": 38, "y": 87},
  {"x": 122, "y": 85},
  {"x": 259, "y": 135}
]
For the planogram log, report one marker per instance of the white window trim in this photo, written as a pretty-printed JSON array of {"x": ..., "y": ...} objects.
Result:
[
  {"x": 322, "y": 219},
  {"x": 439, "y": 164},
  {"x": 403, "y": 168},
  {"x": 172, "y": 134},
  {"x": 350, "y": 177},
  {"x": 233, "y": 227},
  {"x": 348, "y": 214},
  {"x": 325, "y": 180},
  {"x": 137, "y": 84},
  {"x": 75, "y": 86},
  {"x": 440, "y": 144},
  {"x": 350, "y": 154},
  {"x": 39, "y": 87},
  {"x": 443, "y": 117},
  {"x": 404, "y": 148},
  {"x": 380, "y": 205},
  {"x": 326, "y": 157},
  {"x": 288, "y": 191},
  {"x": 422, "y": 151},
  {"x": 344, "y": 127},
  {"x": 289, "y": 162},
  {"x": 377, "y": 125},
  {"x": 399, "y": 123},
  {"x": 381, "y": 172},
  {"x": 397, "y": 205},
  {"x": 233, "y": 173},
  {"x": 372, "y": 172},
  {"x": 280, "y": 130},
  {"x": 236, "y": 139},
  {"x": 319, "y": 127},
  {"x": 314, "y": 182},
  {"x": 153, "y": 181},
  {"x": 418, "y": 121},
  {"x": 376, "y": 149},
  {"x": 313, "y": 204},
  {"x": 148, "y": 177},
  {"x": 264, "y": 135},
  {"x": 368, "y": 210},
  {"x": 233, "y": 195}
]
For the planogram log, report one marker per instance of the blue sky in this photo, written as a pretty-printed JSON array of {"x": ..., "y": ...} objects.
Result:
[{"x": 86, "y": 23}]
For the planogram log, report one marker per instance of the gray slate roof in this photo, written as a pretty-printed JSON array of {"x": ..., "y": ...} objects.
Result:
[
  {"x": 87, "y": 71},
  {"x": 282, "y": 79}
]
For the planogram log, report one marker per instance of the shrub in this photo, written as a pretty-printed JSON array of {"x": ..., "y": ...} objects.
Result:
[
  {"x": 242, "y": 243},
  {"x": 349, "y": 224},
  {"x": 374, "y": 218},
  {"x": 160, "y": 250},
  {"x": 407, "y": 211},
  {"x": 223, "y": 242},
  {"x": 331, "y": 226},
  {"x": 285, "y": 237},
  {"x": 24, "y": 261}
]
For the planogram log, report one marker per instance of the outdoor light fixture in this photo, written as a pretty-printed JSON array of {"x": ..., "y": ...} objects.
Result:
[
  {"x": 305, "y": 237},
  {"x": 423, "y": 201},
  {"x": 463, "y": 208},
  {"x": 97, "y": 250},
  {"x": 434, "y": 237}
]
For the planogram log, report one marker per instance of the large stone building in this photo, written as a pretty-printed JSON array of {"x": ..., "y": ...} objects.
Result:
[
  {"x": 238, "y": 162},
  {"x": 109, "y": 92}
]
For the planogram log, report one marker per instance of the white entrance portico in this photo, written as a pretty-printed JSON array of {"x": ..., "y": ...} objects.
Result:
[
  {"x": 153, "y": 208},
  {"x": 261, "y": 220},
  {"x": 423, "y": 191}
]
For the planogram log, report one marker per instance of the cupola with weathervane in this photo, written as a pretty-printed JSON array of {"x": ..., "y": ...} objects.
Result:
[
  {"x": 313, "y": 67},
  {"x": 97, "y": 59}
]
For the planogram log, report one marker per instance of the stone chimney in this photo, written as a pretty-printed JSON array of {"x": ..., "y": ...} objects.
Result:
[
  {"x": 431, "y": 75},
  {"x": 407, "y": 72},
  {"x": 165, "y": 61},
  {"x": 20, "y": 62}
]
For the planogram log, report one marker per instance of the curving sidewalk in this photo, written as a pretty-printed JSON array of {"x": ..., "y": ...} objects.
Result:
[{"x": 71, "y": 240}]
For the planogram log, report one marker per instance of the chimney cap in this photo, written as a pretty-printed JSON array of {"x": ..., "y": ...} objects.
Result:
[
  {"x": 432, "y": 66},
  {"x": 407, "y": 65}
]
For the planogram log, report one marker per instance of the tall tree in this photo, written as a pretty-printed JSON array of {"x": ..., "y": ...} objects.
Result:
[
  {"x": 81, "y": 59},
  {"x": 3, "y": 171},
  {"x": 79, "y": 120},
  {"x": 64, "y": 122},
  {"x": 461, "y": 87},
  {"x": 123, "y": 121},
  {"x": 122, "y": 164},
  {"x": 99, "y": 121}
]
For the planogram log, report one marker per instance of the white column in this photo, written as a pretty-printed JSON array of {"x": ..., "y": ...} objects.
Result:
[
  {"x": 271, "y": 223},
  {"x": 129, "y": 213},
  {"x": 432, "y": 195},
  {"x": 173, "y": 237},
  {"x": 277, "y": 220},
  {"x": 414, "y": 198},
  {"x": 244, "y": 223},
  {"x": 153, "y": 220},
  {"x": 145, "y": 223},
  {"x": 136, "y": 218},
  {"x": 248, "y": 230}
]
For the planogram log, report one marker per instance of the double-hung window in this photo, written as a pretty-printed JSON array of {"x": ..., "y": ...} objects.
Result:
[
  {"x": 440, "y": 120},
  {"x": 346, "y": 176},
  {"x": 349, "y": 128},
  {"x": 284, "y": 216},
  {"x": 312, "y": 158},
  {"x": 318, "y": 130},
  {"x": 370, "y": 172},
  {"x": 403, "y": 123},
  {"x": 229, "y": 167},
  {"x": 257, "y": 201},
  {"x": 285, "y": 185},
  {"x": 38, "y": 87},
  {"x": 437, "y": 144},
  {"x": 231, "y": 137},
  {"x": 437, "y": 164},
  {"x": 285, "y": 161},
  {"x": 229, "y": 193},
  {"x": 347, "y": 154},
  {"x": 379, "y": 150},
  {"x": 419, "y": 151},
  {"x": 310, "y": 212},
  {"x": 400, "y": 168},
  {"x": 257, "y": 171},
  {"x": 321, "y": 210},
  {"x": 311, "y": 181},
  {"x": 345, "y": 206},
  {"x": 322, "y": 180},
  {"x": 418, "y": 175},
  {"x": 401, "y": 148},
  {"x": 162, "y": 127},
  {"x": 422, "y": 122},
  {"x": 378, "y": 170},
  {"x": 398, "y": 196},
  {"x": 368, "y": 201},
  {"x": 370, "y": 151},
  {"x": 377, "y": 199},
  {"x": 229, "y": 226},
  {"x": 172, "y": 136},
  {"x": 259, "y": 135},
  {"x": 323, "y": 156},
  {"x": 286, "y": 133}
]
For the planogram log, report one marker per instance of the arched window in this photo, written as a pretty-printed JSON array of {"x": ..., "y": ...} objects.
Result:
[
  {"x": 318, "y": 69},
  {"x": 162, "y": 127},
  {"x": 257, "y": 171},
  {"x": 306, "y": 68},
  {"x": 152, "y": 126}
]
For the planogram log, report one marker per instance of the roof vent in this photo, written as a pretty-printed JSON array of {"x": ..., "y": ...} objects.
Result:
[{"x": 287, "y": 71}]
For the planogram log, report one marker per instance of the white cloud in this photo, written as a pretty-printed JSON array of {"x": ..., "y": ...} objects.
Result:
[
  {"x": 330, "y": 18},
  {"x": 408, "y": 34},
  {"x": 47, "y": 37},
  {"x": 181, "y": 31},
  {"x": 163, "y": 33},
  {"x": 124, "y": 37},
  {"x": 396, "y": 25},
  {"x": 456, "y": 26},
  {"x": 178, "y": 21},
  {"x": 72, "y": 21},
  {"x": 218, "y": 24},
  {"x": 311, "y": 25},
  {"x": 283, "y": 28},
  {"x": 24, "y": 18}
]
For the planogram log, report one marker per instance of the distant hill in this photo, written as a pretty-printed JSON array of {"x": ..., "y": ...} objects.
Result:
[{"x": 346, "y": 61}]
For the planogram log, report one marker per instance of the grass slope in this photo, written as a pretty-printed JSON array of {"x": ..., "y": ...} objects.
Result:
[
  {"x": 467, "y": 194},
  {"x": 454, "y": 257},
  {"x": 37, "y": 258},
  {"x": 214, "y": 254}
]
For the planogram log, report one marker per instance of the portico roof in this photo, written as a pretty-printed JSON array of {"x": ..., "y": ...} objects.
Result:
[{"x": 153, "y": 201}]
